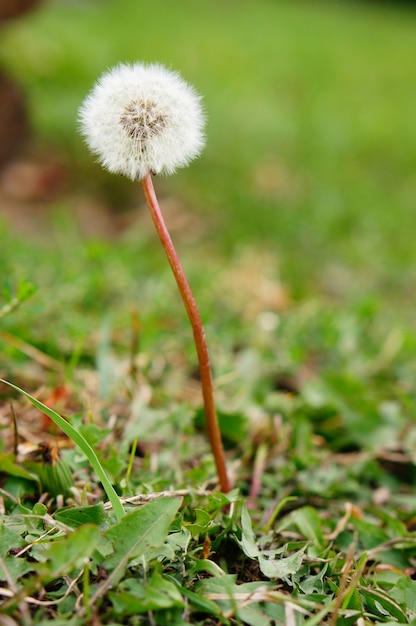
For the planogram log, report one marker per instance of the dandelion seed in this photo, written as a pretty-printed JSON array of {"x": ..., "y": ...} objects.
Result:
[{"x": 142, "y": 118}]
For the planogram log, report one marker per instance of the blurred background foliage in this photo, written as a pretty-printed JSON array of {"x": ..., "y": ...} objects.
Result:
[{"x": 310, "y": 157}]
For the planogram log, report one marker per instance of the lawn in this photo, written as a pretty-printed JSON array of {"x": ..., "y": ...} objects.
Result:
[{"x": 295, "y": 228}]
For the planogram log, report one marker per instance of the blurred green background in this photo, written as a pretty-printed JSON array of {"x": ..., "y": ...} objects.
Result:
[{"x": 310, "y": 157}]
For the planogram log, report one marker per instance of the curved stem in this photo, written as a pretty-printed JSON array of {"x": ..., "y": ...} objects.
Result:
[{"x": 198, "y": 331}]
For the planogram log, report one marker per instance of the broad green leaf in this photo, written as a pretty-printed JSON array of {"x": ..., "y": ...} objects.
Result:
[
  {"x": 19, "y": 488},
  {"x": 248, "y": 540},
  {"x": 8, "y": 466},
  {"x": 382, "y": 605},
  {"x": 271, "y": 563},
  {"x": 9, "y": 539},
  {"x": 404, "y": 592},
  {"x": 63, "y": 555},
  {"x": 309, "y": 524},
  {"x": 353, "y": 602},
  {"x": 135, "y": 596},
  {"x": 230, "y": 596},
  {"x": 93, "y": 434},
  {"x": 281, "y": 567},
  {"x": 205, "y": 565},
  {"x": 371, "y": 535},
  {"x": 233, "y": 425},
  {"x": 254, "y": 617},
  {"x": 10, "y": 567},
  {"x": 39, "y": 509},
  {"x": 202, "y": 518},
  {"x": 313, "y": 583},
  {"x": 200, "y": 603},
  {"x": 76, "y": 516},
  {"x": 144, "y": 528},
  {"x": 201, "y": 523}
]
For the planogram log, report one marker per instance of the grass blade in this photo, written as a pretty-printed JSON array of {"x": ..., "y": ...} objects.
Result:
[{"x": 82, "y": 443}]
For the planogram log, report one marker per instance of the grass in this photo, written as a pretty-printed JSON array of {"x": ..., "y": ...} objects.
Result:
[{"x": 296, "y": 228}]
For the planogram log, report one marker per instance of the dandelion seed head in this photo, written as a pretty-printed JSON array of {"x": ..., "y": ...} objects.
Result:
[{"x": 142, "y": 118}]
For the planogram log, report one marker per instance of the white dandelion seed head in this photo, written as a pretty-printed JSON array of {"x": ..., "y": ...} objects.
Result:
[{"x": 142, "y": 118}]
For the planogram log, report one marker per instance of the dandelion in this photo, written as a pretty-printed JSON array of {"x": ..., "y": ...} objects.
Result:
[{"x": 141, "y": 120}]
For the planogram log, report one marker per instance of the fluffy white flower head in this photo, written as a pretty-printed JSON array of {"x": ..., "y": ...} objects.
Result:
[{"x": 142, "y": 118}]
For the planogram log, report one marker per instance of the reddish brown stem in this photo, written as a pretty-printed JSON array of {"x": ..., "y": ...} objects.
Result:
[{"x": 198, "y": 331}]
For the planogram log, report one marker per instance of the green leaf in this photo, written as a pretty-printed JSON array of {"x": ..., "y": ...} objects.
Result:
[
  {"x": 229, "y": 594},
  {"x": 201, "y": 523},
  {"x": 271, "y": 563},
  {"x": 9, "y": 539},
  {"x": 205, "y": 565},
  {"x": 248, "y": 540},
  {"x": 253, "y": 617},
  {"x": 10, "y": 566},
  {"x": 19, "y": 488},
  {"x": 75, "y": 516},
  {"x": 309, "y": 524},
  {"x": 24, "y": 291},
  {"x": 144, "y": 528},
  {"x": 8, "y": 466},
  {"x": 199, "y": 602},
  {"x": 135, "y": 596},
  {"x": 233, "y": 426},
  {"x": 313, "y": 583},
  {"x": 93, "y": 434},
  {"x": 279, "y": 567},
  {"x": 70, "y": 552},
  {"x": 404, "y": 592},
  {"x": 39, "y": 509},
  {"x": 382, "y": 605}
]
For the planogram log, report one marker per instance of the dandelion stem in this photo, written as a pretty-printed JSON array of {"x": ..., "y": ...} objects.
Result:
[{"x": 198, "y": 331}]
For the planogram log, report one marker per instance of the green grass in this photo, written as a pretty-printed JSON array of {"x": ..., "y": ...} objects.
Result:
[
  {"x": 296, "y": 229},
  {"x": 310, "y": 119}
]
